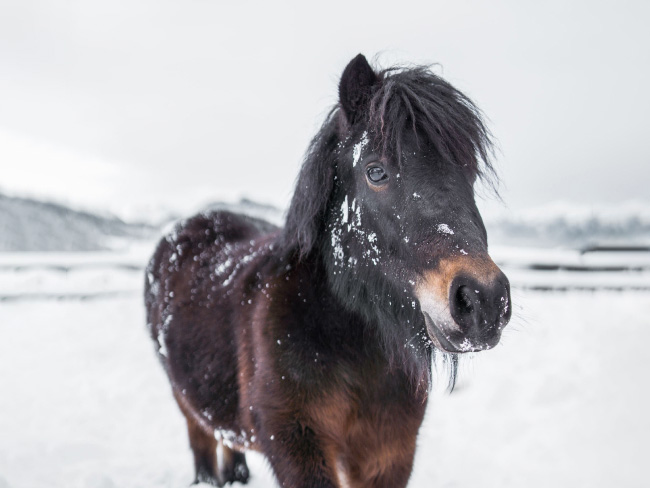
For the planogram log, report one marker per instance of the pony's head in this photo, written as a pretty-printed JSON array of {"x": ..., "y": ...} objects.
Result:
[{"x": 386, "y": 199}]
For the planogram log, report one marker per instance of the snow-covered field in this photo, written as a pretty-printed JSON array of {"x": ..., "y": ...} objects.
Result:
[{"x": 562, "y": 401}]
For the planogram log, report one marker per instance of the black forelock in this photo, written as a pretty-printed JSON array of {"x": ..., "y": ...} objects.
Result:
[{"x": 418, "y": 101}]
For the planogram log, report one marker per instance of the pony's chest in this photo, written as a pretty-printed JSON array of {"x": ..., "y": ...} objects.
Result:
[
  {"x": 370, "y": 434},
  {"x": 365, "y": 404}
]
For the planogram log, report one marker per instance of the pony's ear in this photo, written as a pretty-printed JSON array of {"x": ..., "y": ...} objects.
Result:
[{"x": 355, "y": 87}]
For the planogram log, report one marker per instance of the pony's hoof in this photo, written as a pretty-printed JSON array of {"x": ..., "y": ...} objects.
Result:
[
  {"x": 238, "y": 473},
  {"x": 241, "y": 473},
  {"x": 208, "y": 479}
]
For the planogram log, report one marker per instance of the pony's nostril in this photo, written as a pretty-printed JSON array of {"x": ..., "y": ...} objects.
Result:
[
  {"x": 478, "y": 307},
  {"x": 464, "y": 303}
]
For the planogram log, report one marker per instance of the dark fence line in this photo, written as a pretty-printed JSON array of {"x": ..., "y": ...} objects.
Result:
[{"x": 612, "y": 268}]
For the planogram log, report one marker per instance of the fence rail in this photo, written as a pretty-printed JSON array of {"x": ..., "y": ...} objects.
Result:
[{"x": 103, "y": 275}]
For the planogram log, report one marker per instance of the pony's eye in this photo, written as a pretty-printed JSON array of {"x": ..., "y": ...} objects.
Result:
[{"x": 376, "y": 174}]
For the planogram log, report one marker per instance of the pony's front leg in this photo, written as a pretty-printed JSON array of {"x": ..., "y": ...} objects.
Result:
[
  {"x": 298, "y": 459},
  {"x": 396, "y": 476},
  {"x": 378, "y": 467}
]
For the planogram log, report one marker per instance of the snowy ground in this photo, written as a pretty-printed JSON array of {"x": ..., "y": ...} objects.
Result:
[{"x": 562, "y": 401}]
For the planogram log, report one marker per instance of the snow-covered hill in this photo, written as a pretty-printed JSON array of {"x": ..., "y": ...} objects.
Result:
[{"x": 31, "y": 225}]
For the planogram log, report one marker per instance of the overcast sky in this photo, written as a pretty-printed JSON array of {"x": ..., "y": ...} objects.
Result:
[{"x": 121, "y": 103}]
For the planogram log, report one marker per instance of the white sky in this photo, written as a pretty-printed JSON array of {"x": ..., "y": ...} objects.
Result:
[{"x": 133, "y": 103}]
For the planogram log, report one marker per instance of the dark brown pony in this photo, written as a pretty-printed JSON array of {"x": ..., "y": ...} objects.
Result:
[{"x": 313, "y": 343}]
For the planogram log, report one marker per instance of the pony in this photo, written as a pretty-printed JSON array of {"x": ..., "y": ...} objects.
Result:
[{"x": 313, "y": 343}]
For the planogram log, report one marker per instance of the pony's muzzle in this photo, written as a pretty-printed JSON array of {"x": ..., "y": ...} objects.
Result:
[
  {"x": 481, "y": 310},
  {"x": 466, "y": 304}
]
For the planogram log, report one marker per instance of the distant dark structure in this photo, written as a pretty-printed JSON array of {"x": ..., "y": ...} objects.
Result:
[{"x": 313, "y": 343}]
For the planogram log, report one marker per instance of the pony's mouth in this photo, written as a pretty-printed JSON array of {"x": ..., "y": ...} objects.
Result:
[
  {"x": 454, "y": 341},
  {"x": 465, "y": 303}
]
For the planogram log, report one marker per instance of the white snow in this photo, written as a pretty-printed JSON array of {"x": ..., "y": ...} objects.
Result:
[
  {"x": 336, "y": 245},
  {"x": 372, "y": 252},
  {"x": 223, "y": 267},
  {"x": 445, "y": 229},
  {"x": 344, "y": 210},
  {"x": 358, "y": 147},
  {"x": 562, "y": 401},
  {"x": 162, "y": 347}
]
